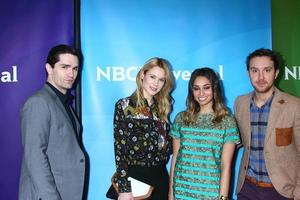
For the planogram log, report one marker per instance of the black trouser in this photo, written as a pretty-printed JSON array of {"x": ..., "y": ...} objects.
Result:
[{"x": 156, "y": 176}]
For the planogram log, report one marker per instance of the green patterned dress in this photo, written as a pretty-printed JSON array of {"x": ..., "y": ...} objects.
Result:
[{"x": 198, "y": 166}]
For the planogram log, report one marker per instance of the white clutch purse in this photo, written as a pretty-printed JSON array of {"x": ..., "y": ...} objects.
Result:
[{"x": 140, "y": 190}]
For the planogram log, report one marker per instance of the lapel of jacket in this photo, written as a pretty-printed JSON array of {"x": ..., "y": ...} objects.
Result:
[
  {"x": 78, "y": 125},
  {"x": 275, "y": 109},
  {"x": 246, "y": 116}
]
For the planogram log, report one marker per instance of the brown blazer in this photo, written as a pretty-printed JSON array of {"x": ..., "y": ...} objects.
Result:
[{"x": 282, "y": 142}]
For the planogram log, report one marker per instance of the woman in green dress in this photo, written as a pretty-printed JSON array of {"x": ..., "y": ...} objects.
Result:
[{"x": 204, "y": 139}]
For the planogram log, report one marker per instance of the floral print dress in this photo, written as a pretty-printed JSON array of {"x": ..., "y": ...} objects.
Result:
[{"x": 140, "y": 139}]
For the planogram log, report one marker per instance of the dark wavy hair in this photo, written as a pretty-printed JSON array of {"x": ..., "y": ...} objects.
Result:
[
  {"x": 193, "y": 107},
  {"x": 264, "y": 52},
  {"x": 56, "y": 51}
]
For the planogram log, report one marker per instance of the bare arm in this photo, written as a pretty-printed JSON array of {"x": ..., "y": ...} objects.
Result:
[
  {"x": 176, "y": 146},
  {"x": 227, "y": 154},
  {"x": 125, "y": 196}
]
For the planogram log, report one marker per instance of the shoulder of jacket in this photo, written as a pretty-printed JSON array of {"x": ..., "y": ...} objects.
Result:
[
  {"x": 243, "y": 97},
  {"x": 283, "y": 96},
  {"x": 40, "y": 95}
]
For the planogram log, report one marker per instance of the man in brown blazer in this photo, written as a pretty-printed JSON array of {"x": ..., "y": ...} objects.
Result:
[{"x": 269, "y": 124}]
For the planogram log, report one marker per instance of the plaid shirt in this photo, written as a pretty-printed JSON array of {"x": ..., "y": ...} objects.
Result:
[{"x": 259, "y": 122}]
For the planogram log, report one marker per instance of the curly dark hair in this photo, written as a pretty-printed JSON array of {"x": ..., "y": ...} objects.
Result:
[{"x": 264, "y": 52}]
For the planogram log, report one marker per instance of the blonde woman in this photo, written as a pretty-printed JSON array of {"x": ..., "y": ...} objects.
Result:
[
  {"x": 204, "y": 139},
  {"x": 141, "y": 127}
]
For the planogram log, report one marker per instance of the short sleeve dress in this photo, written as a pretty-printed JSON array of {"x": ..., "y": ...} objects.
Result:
[{"x": 198, "y": 165}]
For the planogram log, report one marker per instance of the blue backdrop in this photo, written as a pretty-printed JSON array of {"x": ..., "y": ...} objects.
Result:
[{"x": 119, "y": 36}]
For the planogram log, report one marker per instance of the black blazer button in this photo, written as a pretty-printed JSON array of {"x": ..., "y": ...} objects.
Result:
[{"x": 81, "y": 160}]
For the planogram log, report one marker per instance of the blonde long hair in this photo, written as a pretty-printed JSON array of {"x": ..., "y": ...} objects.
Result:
[{"x": 163, "y": 98}]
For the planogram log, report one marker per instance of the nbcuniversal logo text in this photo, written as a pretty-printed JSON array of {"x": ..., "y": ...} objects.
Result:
[
  {"x": 119, "y": 73},
  {"x": 292, "y": 73},
  {"x": 9, "y": 75}
]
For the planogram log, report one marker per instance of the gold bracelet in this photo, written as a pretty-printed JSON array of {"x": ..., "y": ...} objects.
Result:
[{"x": 223, "y": 198}]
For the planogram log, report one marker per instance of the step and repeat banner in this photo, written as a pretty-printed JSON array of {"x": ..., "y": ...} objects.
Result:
[
  {"x": 28, "y": 31},
  {"x": 117, "y": 37},
  {"x": 286, "y": 40}
]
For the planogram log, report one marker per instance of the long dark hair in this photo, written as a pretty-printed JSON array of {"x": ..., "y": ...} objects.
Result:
[{"x": 193, "y": 107}]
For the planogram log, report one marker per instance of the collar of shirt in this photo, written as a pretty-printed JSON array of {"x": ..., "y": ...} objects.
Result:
[
  {"x": 266, "y": 104},
  {"x": 64, "y": 98},
  {"x": 133, "y": 101}
]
